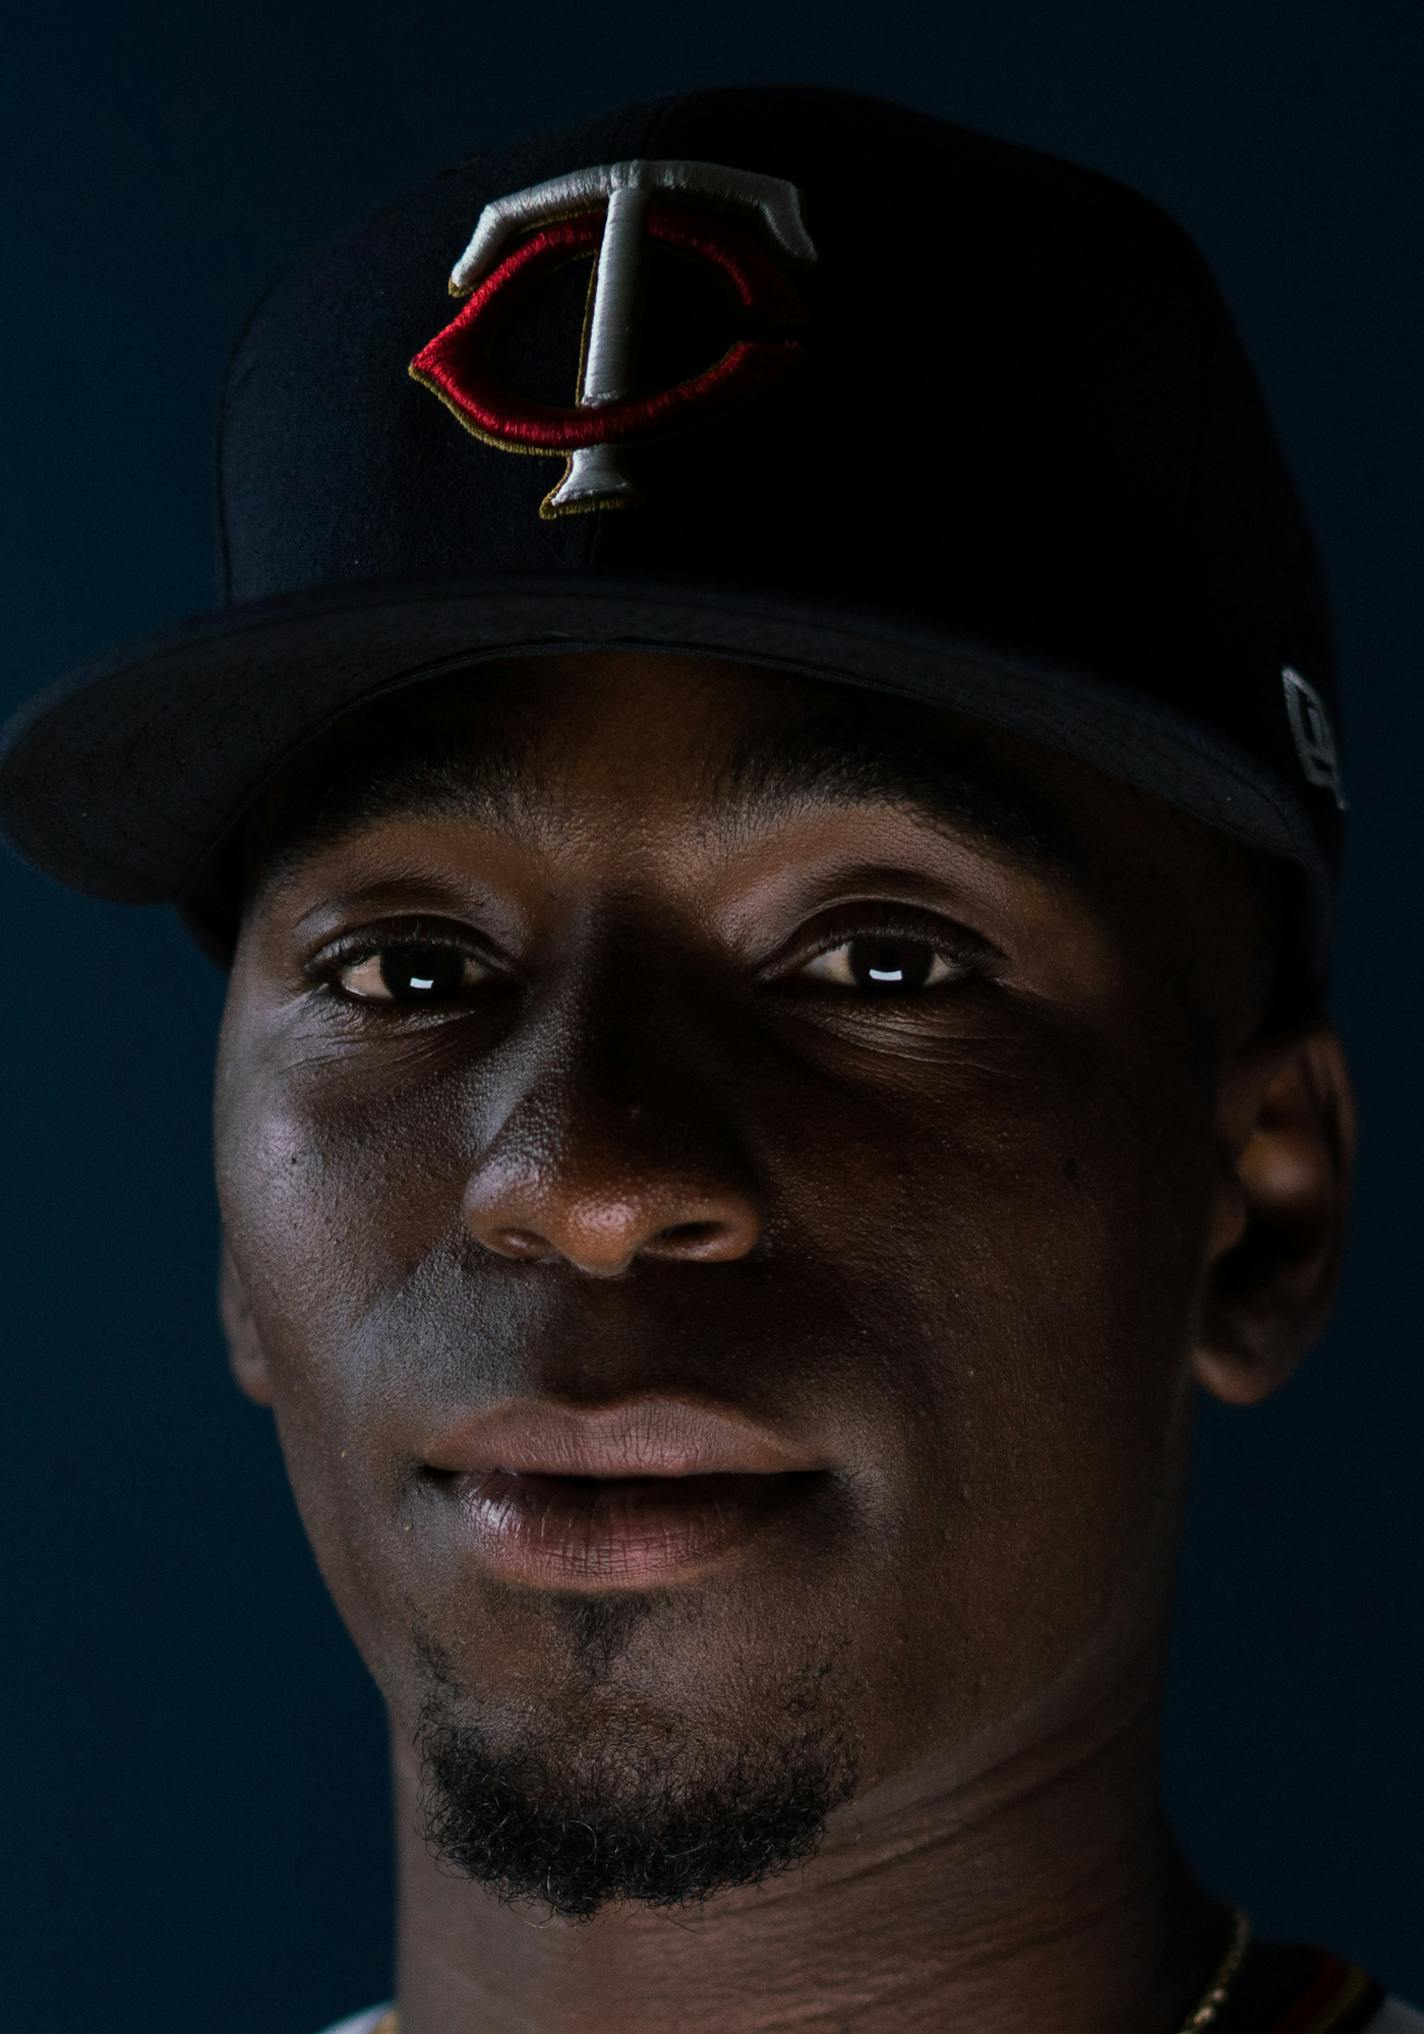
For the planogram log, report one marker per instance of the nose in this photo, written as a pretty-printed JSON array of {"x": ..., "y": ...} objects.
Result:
[{"x": 599, "y": 1165}]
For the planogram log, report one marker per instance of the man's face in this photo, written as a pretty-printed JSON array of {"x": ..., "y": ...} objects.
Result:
[{"x": 961, "y": 1232}]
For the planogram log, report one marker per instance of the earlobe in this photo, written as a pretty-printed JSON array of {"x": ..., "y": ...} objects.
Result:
[
  {"x": 1286, "y": 1129},
  {"x": 249, "y": 1365}
]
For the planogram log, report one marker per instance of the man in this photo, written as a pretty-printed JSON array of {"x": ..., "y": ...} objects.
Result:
[{"x": 777, "y": 1033}]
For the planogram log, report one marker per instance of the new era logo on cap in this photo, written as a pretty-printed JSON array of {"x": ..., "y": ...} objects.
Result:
[
  {"x": 607, "y": 211},
  {"x": 1312, "y": 734}
]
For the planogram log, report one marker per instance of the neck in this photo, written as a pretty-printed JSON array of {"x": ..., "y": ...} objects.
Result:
[{"x": 1043, "y": 1890}]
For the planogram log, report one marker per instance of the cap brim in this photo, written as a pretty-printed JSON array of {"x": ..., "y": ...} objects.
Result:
[{"x": 122, "y": 778}]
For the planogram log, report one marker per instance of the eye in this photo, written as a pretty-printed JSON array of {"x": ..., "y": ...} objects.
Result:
[
  {"x": 895, "y": 958},
  {"x": 406, "y": 973}
]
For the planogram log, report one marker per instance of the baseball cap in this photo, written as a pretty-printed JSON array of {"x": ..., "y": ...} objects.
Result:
[{"x": 784, "y": 374}]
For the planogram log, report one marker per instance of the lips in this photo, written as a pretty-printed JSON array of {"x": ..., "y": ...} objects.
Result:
[
  {"x": 645, "y": 1438},
  {"x": 647, "y": 1490},
  {"x": 605, "y": 1533}
]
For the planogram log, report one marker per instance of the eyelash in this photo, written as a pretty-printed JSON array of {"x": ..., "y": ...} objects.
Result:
[{"x": 944, "y": 940}]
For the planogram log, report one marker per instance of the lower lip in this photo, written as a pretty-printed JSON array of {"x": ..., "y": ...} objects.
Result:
[{"x": 559, "y": 1531}]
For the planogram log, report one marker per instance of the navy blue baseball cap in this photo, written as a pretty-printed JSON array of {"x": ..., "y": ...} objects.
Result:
[{"x": 788, "y": 375}]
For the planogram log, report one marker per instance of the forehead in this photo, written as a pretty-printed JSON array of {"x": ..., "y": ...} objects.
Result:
[{"x": 534, "y": 746}]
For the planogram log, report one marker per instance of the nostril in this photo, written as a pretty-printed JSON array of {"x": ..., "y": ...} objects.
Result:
[{"x": 518, "y": 1243}]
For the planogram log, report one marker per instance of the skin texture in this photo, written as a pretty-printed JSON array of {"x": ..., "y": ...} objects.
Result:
[{"x": 977, "y": 1249}]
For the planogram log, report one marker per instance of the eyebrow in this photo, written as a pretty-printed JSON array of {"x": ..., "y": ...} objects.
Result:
[{"x": 830, "y": 757}]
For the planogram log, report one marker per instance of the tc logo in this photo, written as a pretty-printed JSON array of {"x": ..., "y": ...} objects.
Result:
[{"x": 520, "y": 237}]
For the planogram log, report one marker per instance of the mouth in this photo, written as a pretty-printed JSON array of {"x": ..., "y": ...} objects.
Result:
[{"x": 605, "y": 1532}]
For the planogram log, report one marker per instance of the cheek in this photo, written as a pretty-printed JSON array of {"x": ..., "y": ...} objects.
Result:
[
  {"x": 330, "y": 1201},
  {"x": 1017, "y": 1269},
  {"x": 335, "y": 1183}
]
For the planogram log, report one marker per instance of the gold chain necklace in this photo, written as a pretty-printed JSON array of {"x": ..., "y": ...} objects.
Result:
[{"x": 1202, "y": 2014}]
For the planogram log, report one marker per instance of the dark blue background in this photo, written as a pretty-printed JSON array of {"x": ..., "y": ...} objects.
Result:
[{"x": 196, "y": 1786}]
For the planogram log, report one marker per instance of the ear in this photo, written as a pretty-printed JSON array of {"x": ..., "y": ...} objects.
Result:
[
  {"x": 249, "y": 1365},
  {"x": 1286, "y": 1151}
]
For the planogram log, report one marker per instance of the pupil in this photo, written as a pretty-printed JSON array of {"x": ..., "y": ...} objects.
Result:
[
  {"x": 881, "y": 963},
  {"x": 425, "y": 973}
]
